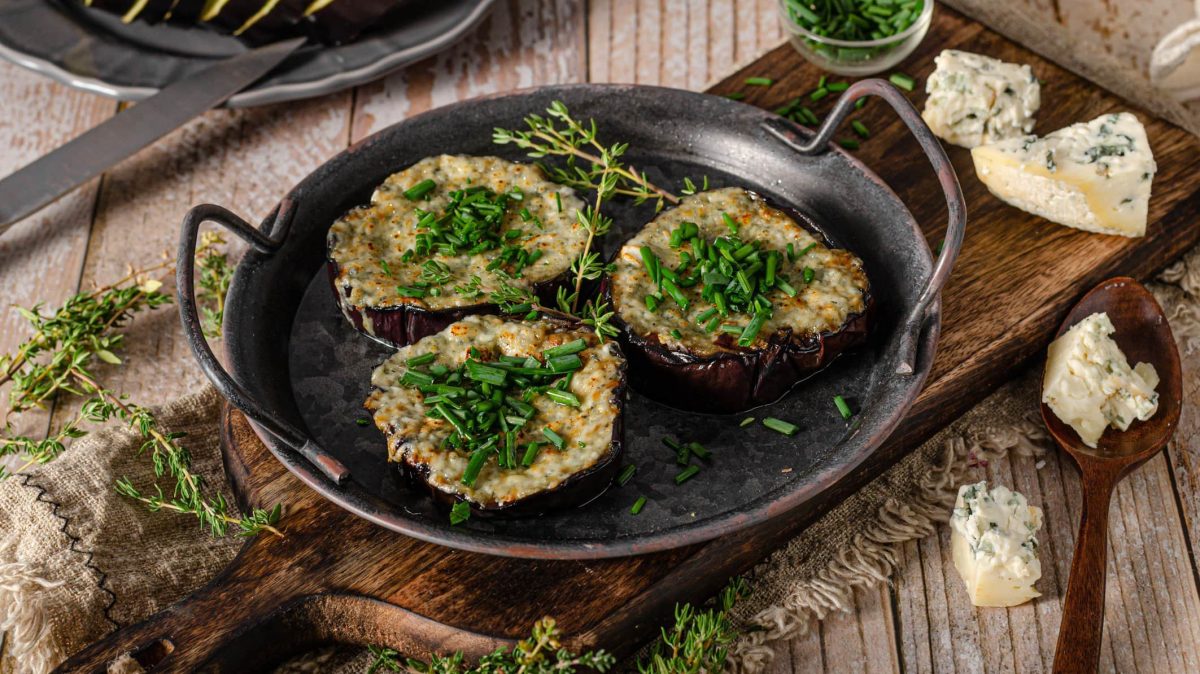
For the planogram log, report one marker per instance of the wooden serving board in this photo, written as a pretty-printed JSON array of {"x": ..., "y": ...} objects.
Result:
[{"x": 336, "y": 577}]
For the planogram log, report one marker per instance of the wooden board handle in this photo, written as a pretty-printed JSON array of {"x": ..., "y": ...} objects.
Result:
[
  {"x": 1078, "y": 649},
  {"x": 189, "y": 634}
]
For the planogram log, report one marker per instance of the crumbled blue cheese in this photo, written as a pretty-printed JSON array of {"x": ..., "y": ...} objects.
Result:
[
  {"x": 994, "y": 540},
  {"x": 1094, "y": 176},
  {"x": 976, "y": 99},
  {"x": 1089, "y": 385}
]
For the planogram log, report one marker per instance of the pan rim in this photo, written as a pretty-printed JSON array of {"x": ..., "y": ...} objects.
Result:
[{"x": 791, "y": 499}]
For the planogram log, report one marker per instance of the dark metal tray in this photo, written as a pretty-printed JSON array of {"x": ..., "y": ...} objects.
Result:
[{"x": 300, "y": 372}]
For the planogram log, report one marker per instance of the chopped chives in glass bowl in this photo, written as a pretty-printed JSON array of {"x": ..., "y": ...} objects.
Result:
[{"x": 856, "y": 37}]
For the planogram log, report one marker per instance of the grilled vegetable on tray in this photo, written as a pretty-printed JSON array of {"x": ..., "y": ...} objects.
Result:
[
  {"x": 505, "y": 415},
  {"x": 441, "y": 236},
  {"x": 725, "y": 303}
]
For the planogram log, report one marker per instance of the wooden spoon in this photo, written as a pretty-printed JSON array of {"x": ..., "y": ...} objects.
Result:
[{"x": 1143, "y": 334}]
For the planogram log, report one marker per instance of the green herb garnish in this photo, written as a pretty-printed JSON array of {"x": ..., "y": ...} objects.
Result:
[
  {"x": 903, "y": 81},
  {"x": 843, "y": 408},
  {"x": 626, "y": 475},
  {"x": 638, "y": 505},
  {"x": 780, "y": 426},
  {"x": 687, "y": 474},
  {"x": 460, "y": 512},
  {"x": 420, "y": 190}
]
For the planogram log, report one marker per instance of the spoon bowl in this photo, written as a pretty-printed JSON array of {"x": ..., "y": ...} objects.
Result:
[{"x": 1143, "y": 335}]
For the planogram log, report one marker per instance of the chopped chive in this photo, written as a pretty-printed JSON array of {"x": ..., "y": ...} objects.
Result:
[
  {"x": 573, "y": 346},
  {"x": 759, "y": 81},
  {"x": 842, "y": 407},
  {"x": 486, "y": 373},
  {"x": 752, "y": 329},
  {"x": 383, "y": 264},
  {"x": 731, "y": 329},
  {"x": 818, "y": 94},
  {"x": 531, "y": 453},
  {"x": 687, "y": 474},
  {"x": 671, "y": 442},
  {"x": 676, "y": 333},
  {"x": 562, "y": 398},
  {"x": 683, "y": 455},
  {"x": 837, "y": 86},
  {"x": 699, "y": 450},
  {"x": 558, "y": 200},
  {"x": 651, "y": 263},
  {"x": 423, "y": 359},
  {"x": 804, "y": 251},
  {"x": 903, "y": 81},
  {"x": 735, "y": 96},
  {"x": 671, "y": 289},
  {"x": 848, "y": 143},
  {"x": 638, "y": 505},
  {"x": 416, "y": 378},
  {"x": 420, "y": 190},
  {"x": 626, "y": 475},
  {"x": 780, "y": 426},
  {"x": 410, "y": 291},
  {"x": 567, "y": 363},
  {"x": 460, "y": 512},
  {"x": 474, "y": 465},
  {"x": 860, "y": 103},
  {"x": 730, "y": 223},
  {"x": 651, "y": 303},
  {"x": 746, "y": 422},
  {"x": 554, "y": 438},
  {"x": 809, "y": 274},
  {"x": 860, "y": 128},
  {"x": 362, "y": 422}
]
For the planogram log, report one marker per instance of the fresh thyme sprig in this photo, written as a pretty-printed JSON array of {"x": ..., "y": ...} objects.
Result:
[
  {"x": 215, "y": 274},
  {"x": 560, "y": 134},
  {"x": 56, "y": 361},
  {"x": 697, "y": 642},
  {"x": 541, "y": 653}
]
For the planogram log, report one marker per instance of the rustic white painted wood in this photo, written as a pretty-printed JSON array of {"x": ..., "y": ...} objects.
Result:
[{"x": 246, "y": 159}]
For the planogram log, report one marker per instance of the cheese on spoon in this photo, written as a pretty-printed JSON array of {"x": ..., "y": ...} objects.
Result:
[
  {"x": 1089, "y": 385},
  {"x": 1093, "y": 176},
  {"x": 994, "y": 541}
]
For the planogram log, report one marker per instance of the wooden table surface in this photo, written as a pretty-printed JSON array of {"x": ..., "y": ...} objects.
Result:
[{"x": 246, "y": 159}]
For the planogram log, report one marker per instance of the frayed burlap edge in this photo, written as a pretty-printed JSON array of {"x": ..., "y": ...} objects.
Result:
[{"x": 24, "y": 618}]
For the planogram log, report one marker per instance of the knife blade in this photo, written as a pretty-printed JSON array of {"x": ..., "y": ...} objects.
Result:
[{"x": 95, "y": 151}]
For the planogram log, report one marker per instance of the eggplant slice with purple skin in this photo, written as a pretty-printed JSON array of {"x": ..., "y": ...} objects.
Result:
[
  {"x": 440, "y": 237},
  {"x": 779, "y": 303},
  {"x": 427, "y": 395}
]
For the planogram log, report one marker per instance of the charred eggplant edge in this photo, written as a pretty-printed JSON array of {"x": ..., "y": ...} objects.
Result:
[{"x": 404, "y": 324}]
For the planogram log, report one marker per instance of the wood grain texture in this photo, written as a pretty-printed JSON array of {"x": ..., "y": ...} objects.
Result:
[
  {"x": 247, "y": 159},
  {"x": 40, "y": 258}
]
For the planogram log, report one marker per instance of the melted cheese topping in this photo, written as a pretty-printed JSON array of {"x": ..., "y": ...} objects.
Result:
[
  {"x": 836, "y": 292},
  {"x": 399, "y": 411},
  {"x": 367, "y": 243}
]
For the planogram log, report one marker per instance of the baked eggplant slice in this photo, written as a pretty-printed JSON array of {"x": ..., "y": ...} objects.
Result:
[
  {"x": 724, "y": 303},
  {"x": 508, "y": 416},
  {"x": 441, "y": 236}
]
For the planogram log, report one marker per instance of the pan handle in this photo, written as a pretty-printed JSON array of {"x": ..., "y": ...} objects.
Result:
[
  {"x": 189, "y": 314},
  {"x": 955, "y": 204}
]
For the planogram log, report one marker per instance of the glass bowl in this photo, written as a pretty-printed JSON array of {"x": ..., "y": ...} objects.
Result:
[{"x": 860, "y": 57}]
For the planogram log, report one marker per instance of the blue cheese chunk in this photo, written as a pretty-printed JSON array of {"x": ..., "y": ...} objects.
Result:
[
  {"x": 1089, "y": 385},
  {"x": 994, "y": 541},
  {"x": 976, "y": 99},
  {"x": 1093, "y": 176}
]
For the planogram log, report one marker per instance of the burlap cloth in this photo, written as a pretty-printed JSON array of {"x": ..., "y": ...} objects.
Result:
[{"x": 77, "y": 560}]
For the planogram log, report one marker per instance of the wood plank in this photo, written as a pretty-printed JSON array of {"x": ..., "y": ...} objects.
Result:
[
  {"x": 41, "y": 257},
  {"x": 523, "y": 43},
  {"x": 1152, "y": 599},
  {"x": 676, "y": 43},
  {"x": 860, "y": 640},
  {"x": 241, "y": 159}
]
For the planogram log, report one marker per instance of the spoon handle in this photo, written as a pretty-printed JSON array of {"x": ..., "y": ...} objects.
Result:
[{"x": 1078, "y": 650}]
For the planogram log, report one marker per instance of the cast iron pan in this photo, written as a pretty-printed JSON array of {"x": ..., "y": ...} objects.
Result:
[{"x": 300, "y": 372}]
